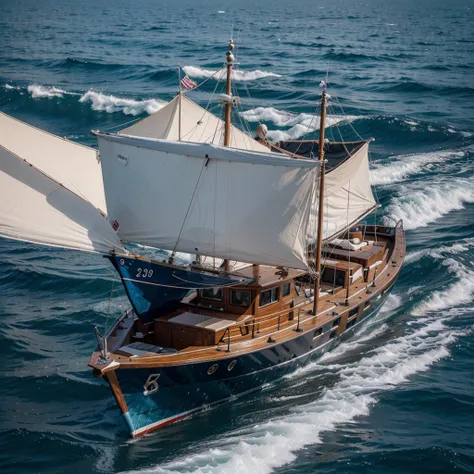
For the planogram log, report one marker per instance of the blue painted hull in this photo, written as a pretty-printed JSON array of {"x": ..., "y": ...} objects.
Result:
[
  {"x": 154, "y": 288},
  {"x": 189, "y": 388}
]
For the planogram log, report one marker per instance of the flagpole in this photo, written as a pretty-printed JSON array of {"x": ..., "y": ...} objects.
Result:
[{"x": 180, "y": 93}]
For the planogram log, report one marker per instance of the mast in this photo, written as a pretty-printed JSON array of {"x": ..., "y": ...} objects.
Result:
[
  {"x": 180, "y": 93},
  {"x": 319, "y": 240},
  {"x": 228, "y": 110},
  {"x": 228, "y": 91}
]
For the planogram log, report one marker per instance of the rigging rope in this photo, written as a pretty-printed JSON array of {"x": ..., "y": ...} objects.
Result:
[{"x": 204, "y": 164}]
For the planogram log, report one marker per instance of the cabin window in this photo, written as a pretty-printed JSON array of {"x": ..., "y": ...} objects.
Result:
[
  {"x": 285, "y": 289},
  {"x": 269, "y": 296},
  {"x": 212, "y": 294},
  {"x": 336, "y": 322},
  {"x": 240, "y": 298},
  {"x": 334, "y": 277},
  {"x": 353, "y": 311}
]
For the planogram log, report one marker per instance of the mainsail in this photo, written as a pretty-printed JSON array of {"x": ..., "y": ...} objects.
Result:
[
  {"x": 216, "y": 201},
  {"x": 46, "y": 196}
]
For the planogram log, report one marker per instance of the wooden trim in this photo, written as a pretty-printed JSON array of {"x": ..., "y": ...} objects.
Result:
[{"x": 116, "y": 391}]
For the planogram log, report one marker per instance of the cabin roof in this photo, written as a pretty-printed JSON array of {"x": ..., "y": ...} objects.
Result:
[{"x": 269, "y": 275}]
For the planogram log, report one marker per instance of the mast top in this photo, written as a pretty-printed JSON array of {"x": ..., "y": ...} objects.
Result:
[{"x": 230, "y": 56}]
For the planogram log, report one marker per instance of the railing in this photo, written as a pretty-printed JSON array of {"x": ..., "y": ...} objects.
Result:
[{"x": 237, "y": 329}]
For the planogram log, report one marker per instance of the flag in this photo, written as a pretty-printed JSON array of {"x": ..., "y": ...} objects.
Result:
[{"x": 186, "y": 82}]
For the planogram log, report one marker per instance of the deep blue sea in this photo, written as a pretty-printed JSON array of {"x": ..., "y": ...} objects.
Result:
[{"x": 399, "y": 396}]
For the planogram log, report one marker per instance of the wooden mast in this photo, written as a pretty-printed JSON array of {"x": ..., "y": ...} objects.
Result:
[
  {"x": 319, "y": 240},
  {"x": 228, "y": 91},
  {"x": 228, "y": 110}
]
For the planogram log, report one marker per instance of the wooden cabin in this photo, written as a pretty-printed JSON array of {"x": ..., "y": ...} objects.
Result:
[{"x": 274, "y": 300}]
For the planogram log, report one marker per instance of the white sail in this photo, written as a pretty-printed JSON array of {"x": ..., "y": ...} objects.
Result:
[
  {"x": 197, "y": 125},
  {"x": 35, "y": 208},
  {"x": 216, "y": 201},
  {"x": 348, "y": 197},
  {"x": 73, "y": 165},
  {"x": 50, "y": 190}
]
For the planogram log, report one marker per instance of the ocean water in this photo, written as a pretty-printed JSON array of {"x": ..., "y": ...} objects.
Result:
[{"x": 399, "y": 396}]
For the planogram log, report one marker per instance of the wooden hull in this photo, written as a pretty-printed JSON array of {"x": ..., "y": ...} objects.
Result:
[{"x": 186, "y": 389}]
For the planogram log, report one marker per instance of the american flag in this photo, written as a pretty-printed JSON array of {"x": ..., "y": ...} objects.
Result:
[{"x": 186, "y": 82}]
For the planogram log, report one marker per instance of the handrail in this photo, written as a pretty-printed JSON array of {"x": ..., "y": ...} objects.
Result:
[{"x": 269, "y": 317}]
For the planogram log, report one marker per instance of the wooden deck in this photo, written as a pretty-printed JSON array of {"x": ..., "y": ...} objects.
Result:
[{"x": 243, "y": 336}]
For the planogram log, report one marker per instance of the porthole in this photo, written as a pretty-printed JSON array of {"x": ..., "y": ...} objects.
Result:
[
  {"x": 212, "y": 369},
  {"x": 232, "y": 365}
]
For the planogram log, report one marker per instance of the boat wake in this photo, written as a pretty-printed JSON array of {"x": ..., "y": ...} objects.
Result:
[
  {"x": 404, "y": 166},
  {"x": 264, "y": 447},
  {"x": 458, "y": 293},
  {"x": 420, "y": 207}
]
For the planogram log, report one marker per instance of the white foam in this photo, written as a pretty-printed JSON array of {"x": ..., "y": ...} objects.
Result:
[
  {"x": 110, "y": 104},
  {"x": 40, "y": 92},
  {"x": 441, "y": 251},
  {"x": 459, "y": 293},
  {"x": 263, "y": 447},
  {"x": 406, "y": 165},
  {"x": 418, "y": 208},
  {"x": 300, "y": 124},
  {"x": 237, "y": 74},
  {"x": 8, "y": 87}
]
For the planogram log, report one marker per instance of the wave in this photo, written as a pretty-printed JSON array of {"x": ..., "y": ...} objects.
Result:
[
  {"x": 418, "y": 87},
  {"x": 440, "y": 251},
  {"x": 404, "y": 166},
  {"x": 301, "y": 124},
  {"x": 99, "y": 101},
  {"x": 237, "y": 74},
  {"x": 110, "y": 104},
  {"x": 459, "y": 293},
  {"x": 44, "y": 92},
  {"x": 267, "y": 446},
  {"x": 86, "y": 64},
  {"x": 420, "y": 208},
  {"x": 352, "y": 57}
]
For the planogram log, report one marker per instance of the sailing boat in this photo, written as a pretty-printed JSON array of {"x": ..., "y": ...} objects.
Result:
[{"x": 284, "y": 267}]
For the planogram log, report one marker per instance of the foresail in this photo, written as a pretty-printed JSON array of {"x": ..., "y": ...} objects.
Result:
[
  {"x": 182, "y": 119},
  {"x": 35, "y": 208},
  {"x": 348, "y": 196},
  {"x": 211, "y": 200}
]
